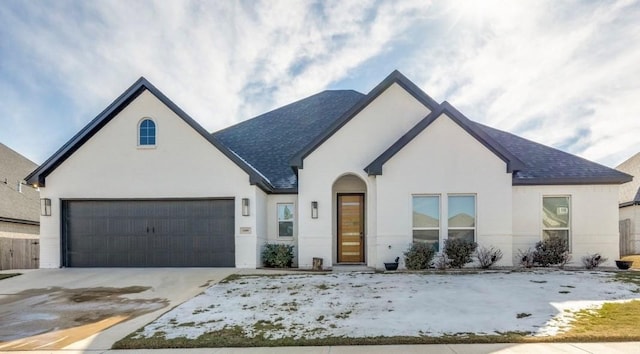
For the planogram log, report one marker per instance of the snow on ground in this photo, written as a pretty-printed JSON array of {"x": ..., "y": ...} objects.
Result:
[{"x": 400, "y": 304}]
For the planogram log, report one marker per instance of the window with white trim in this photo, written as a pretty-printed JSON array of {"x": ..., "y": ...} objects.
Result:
[
  {"x": 426, "y": 220},
  {"x": 462, "y": 217},
  {"x": 147, "y": 133},
  {"x": 285, "y": 219},
  {"x": 556, "y": 218}
]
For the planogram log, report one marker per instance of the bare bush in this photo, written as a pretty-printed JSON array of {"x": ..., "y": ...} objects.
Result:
[
  {"x": 525, "y": 258},
  {"x": 591, "y": 261},
  {"x": 488, "y": 256}
]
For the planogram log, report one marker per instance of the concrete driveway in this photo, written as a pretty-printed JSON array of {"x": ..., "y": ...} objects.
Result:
[{"x": 90, "y": 309}]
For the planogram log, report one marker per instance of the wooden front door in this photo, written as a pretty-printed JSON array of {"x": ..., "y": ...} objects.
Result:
[{"x": 351, "y": 228}]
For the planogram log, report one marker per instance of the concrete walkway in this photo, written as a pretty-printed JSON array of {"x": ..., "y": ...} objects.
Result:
[{"x": 546, "y": 348}]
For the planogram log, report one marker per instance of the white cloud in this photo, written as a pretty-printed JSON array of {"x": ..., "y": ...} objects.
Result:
[
  {"x": 561, "y": 73},
  {"x": 564, "y": 70}
]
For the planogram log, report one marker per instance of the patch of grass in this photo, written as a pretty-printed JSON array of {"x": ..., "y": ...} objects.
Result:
[
  {"x": 628, "y": 277},
  {"x": 564, "y": 292},
  {"x": 322, "y": 286},
  {"x": 538, "y": 281},
  {"x": 8, "y": 275},
  {"x": 320, "y": 318},
  {"x": 343, "y": 315},
  {"x": 523, "y": 315},
  {"x": 187, "y": 324},
  {"x": 613, "y": 322},
  {"x": 234, "y": 336}
]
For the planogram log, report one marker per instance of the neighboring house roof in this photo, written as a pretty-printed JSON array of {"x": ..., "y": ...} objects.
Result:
[
  {"x": 17, "y": 204},
  {"x": 270, "y": 140},
  {"x": 39, "y": 175},
  {"x": 629, "y": 193}
]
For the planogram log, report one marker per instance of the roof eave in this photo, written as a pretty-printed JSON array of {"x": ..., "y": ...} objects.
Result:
[{"x": 566, "y": 181}]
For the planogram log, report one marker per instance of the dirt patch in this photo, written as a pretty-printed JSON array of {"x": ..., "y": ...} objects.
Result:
[{"x": 37, "y": 311}]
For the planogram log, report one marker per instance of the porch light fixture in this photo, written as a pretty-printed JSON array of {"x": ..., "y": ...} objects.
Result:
[
  {"x": 314, "y": 210},
  {"x": 245, "y": 206},
  {"x": 45, "y": 206}
]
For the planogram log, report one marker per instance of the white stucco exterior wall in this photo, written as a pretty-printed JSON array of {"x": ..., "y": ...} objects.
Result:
[
  {"x": 182, "y": 165},
  {"x": 593, "y": 218},
  {"x": 443, "y": 160},
  {"x": 271, "y": 217},
  {"x": 349, "y": 151}
]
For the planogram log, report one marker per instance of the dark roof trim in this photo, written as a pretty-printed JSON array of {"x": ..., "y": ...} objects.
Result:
[
  {"x": 20, "y": 221},
  {"x": 395, "y": 77},
  {"x": 568, "y": 181},
  {"x": 39, "y": 175},
  {"x": 513, "y": 163},
  {"x": 628, "y": 204}
]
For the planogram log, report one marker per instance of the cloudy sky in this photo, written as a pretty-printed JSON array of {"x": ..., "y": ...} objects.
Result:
[{"x": 562, "y": 73}]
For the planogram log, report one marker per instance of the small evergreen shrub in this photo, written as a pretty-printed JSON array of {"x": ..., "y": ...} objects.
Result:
[
  {"x": 459, "y": 251},
  {"x": 277, "y": 255},
  {"x": 525, "y": 258},
  {"x": 591, "y": 261},
  {"x": 419, "y": 256},
  {"x": 488, "y": 256},
  {"x": 552, "y": 251}
]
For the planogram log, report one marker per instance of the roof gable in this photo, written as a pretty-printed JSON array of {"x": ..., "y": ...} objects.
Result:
[
  {"x": 39, "y": 175},
  {"x": 394, "y": 78},
  {"x": 512, "y": 162}
]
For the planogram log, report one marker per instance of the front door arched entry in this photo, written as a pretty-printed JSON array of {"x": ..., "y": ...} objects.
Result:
[{"x": 350, "y": 227}]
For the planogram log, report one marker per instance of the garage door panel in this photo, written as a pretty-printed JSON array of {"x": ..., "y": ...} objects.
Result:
[{"x": 149, "y": 233}]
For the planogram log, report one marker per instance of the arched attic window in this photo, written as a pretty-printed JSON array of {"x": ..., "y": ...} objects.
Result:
[{"x": 147, "y": 132}]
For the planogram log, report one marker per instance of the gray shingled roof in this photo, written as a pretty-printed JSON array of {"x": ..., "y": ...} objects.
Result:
[
  {"x": 629, "y": 193},
  {"x": 15, "y": 205},
  {"x": 268, "y": 141},
  {"x": 546, "y": 165}
]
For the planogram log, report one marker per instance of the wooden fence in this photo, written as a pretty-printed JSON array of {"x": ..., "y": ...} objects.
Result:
[
  {"x": 626, "y": 243},
  {"x": 19, "y": 253}
]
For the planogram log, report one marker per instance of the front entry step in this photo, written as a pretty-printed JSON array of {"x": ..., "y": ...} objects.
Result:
[{"x": 346, "y": 268}]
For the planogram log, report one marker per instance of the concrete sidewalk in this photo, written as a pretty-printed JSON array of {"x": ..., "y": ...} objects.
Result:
[{"x": 546, "y": 348}]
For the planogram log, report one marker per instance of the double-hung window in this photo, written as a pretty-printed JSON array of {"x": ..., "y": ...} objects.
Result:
[
  {"x": 426, "y": 219},
  {"x": 462, "y": 217},
  {"x": 285, "y": 219},
  {"x": 556, "y": 218}
]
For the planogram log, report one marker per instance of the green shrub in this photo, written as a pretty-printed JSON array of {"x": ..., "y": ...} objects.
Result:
[
  {"x": 419, "y": 256},
  {"x": 277, "y": 255},
  {"x": 459, "y": 251},
  {"x": 552, "y": 251}
]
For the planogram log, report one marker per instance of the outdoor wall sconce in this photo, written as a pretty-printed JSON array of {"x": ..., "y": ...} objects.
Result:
[
  {"x": 314, "y": 210},
  {"x": 245, "y": 206},
  {"x": 45, "y": 206}
]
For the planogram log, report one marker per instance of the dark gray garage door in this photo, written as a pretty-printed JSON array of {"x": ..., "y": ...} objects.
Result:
[{"x": 148, "y": 233}]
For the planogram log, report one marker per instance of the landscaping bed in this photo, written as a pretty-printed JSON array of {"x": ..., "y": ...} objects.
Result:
[{"x": 357, "y": 308}]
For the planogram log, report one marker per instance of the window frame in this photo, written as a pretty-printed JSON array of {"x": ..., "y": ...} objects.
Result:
[
  {"x": 569, "y": 219},
  {"x": 293, "y": 219},
  {"x": 419, "y": 228},
  {"x": 139, "y": 130},
  {"x": 475, "y": 214}
]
